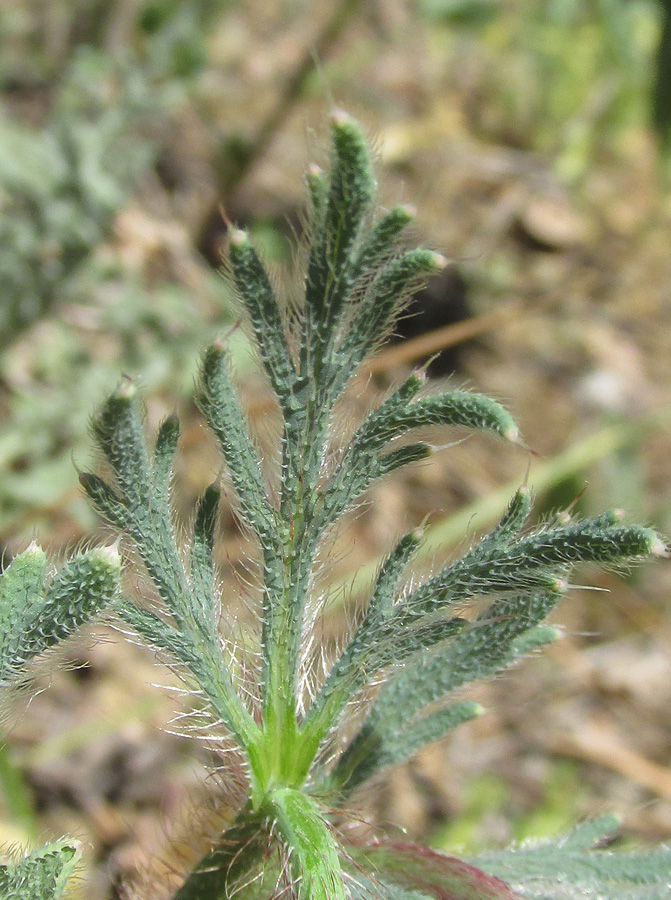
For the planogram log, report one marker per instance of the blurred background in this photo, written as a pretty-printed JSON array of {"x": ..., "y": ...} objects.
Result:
[{"x": 533, "y": 137}]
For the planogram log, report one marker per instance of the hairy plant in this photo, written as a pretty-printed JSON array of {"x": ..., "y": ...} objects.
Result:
[{"x": 414, "y": 647}]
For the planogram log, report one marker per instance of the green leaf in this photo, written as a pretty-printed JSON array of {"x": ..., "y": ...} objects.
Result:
[
  {"x": 318, "y": 190},
  {"x": 456, "y": 408},
  {"x": 218, "y": 873},
  {"x": 379, "y": 307},
  {"x": 255, "y": 290},
  {"x": 364, "y": 887},
  {"x": 347, "y": 675},
  {"x": 142, "y": 506},
  {"x": 34, "y": 618},
  {"x": 488, "y": 645},
  {"x": 363, "y": 760},
  {"x": 22, "y": 581},
  {"x": 589, "y": 834},
  {"x": 477, "y": 652},
  {"x": 536, "y": 561},
  {"x": 40, "y": 875},
  {"x": 106, "y": 500},
  {"x": 350, "y": 194},
  {"x": 220, "y": 404},
  {"x": 429, "y": 639},
  {"x": 363, "y": 461},
  {"x": 379, "y": 244},
  {"x": 119, "y": 432},
  {"x": 513, "y": 519},
  {"x": 566, "y": 869},
  {"x": 201, "y": 562},
  {"x": 204, "y": 663},
  {"x": 433, "y": 874}
]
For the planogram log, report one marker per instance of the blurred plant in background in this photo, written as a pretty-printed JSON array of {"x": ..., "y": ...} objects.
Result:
[
  {"x": 577, "y": 75},
  {"x": 63, "y": 183},
  {"x": 87, "y": 97}
]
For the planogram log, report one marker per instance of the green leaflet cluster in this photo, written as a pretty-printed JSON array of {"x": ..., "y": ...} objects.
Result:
[
  {"x": 139, "y": 505},
  {"x": 525, "y": 577},
  {"x": 423, "y": 640},
  {"x": 40, "y": 875},
  {"x": 575, "y": 865},
  {"x": 37, "y": 611}
]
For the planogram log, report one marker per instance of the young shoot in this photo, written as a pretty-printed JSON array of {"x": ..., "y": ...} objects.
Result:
[{"x": 417, "y": 642}]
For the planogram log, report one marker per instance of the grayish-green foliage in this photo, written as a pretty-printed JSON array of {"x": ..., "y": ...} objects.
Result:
[
  {"x": 37, "y": 612},
  {"x": 41, "y": 875},
  {"x": 60, "y": 186},
  {"x": 423, "y": 640},
  {"x": 561, "y": 869}
]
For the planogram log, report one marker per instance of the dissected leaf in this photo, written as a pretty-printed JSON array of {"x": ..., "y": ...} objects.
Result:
[
  {"x": 35, "y": 614},
  {"x": 40, "y": 875},
  {"x": 434, "y": 874},
  {"x": 567, "y": 869}
]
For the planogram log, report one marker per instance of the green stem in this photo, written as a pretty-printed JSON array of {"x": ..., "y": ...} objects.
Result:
[{"x": 310, "y": 843}]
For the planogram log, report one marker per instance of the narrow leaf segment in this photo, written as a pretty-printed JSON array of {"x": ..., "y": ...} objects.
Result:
[{"x": 37, "y": 612}]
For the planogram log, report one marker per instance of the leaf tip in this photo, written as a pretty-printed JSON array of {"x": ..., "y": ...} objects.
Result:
[
  {"x": 659, "y": 548},
  {"x": 238, "y": 237},
  {"x": 109, "y": 556},
  {"x": 340, "y": 118},
  {"x": 512, "y": 435},
  {"x": 33, "y": 549},
  {"x": 126, "y": 391}
]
